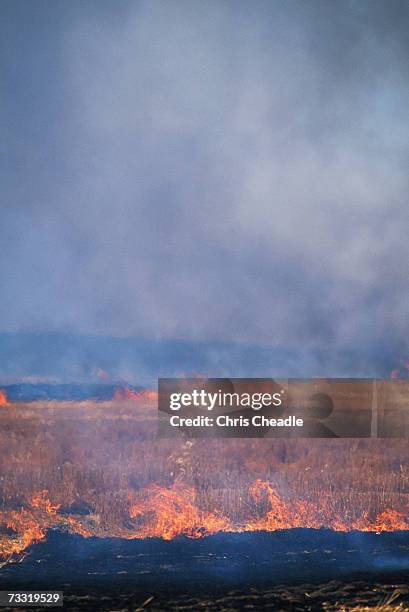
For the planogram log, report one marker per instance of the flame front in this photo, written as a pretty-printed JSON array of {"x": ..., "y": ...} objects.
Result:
[{"x": 169, "y": 512}]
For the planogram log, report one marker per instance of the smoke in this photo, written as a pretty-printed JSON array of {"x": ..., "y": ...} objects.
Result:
[{"x": 207, "y": 171}]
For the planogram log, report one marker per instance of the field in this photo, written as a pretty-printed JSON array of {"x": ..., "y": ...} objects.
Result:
[
  {"x": 98, "y": 470},
  {"x": 102, "y": 463}
]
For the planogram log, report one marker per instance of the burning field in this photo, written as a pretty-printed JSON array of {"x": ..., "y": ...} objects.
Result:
[{"x": 90, "y": 481}]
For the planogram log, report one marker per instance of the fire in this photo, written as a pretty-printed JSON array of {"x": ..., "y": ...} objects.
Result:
[
  {"x": 167, "y": 513},
  {"x": 283, "y": 515},
  {"x": 40, "y": 500},
  {"x": 112, "y": 477},
  {"x": 161, "y": 513},
  {"x": 30, "y": 525},
  {"x": 388, "y": 520},
  {"x": 3, "y": 399},
  {"x": 126, "y": 393}
]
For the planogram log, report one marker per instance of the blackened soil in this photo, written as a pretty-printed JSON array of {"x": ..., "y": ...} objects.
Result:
[{"x": 295, "y": 569}]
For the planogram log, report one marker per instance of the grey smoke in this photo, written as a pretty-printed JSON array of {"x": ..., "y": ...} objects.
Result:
[{"x": 231, "y": 171}]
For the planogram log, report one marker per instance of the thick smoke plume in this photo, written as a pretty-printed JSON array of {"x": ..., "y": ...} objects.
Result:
[{"x": 204, "y": 172}]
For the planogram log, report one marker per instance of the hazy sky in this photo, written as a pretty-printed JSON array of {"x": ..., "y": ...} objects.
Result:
[{"x": 206, "y": 169}]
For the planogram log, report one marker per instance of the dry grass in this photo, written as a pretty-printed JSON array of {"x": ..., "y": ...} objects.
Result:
[{"x": 92, "y": 456}]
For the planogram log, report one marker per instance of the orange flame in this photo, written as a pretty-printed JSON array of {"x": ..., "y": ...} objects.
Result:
[
  {"x": 3, "y": 399},
  {"x": 168, "y": 512},
  {"x": 280, "y": 515},
  {"x": 29, "y": 526},
  {"x": 40, "y": 500},
  {"x": 283, "y": 515}
]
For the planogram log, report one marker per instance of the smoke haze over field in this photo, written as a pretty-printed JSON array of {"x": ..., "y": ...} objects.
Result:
[{"x": 202, "y": 171}]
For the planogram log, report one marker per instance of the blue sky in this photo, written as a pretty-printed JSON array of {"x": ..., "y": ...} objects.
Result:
[{"x": 232, "y": 171}]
